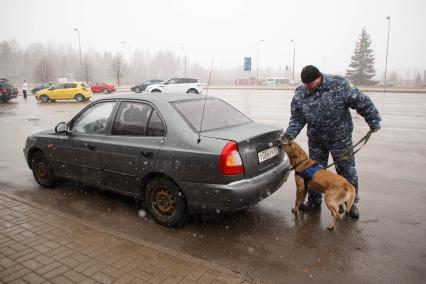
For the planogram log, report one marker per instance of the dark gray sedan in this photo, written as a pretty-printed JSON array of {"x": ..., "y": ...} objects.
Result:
[{"x": 177, "y": 152}]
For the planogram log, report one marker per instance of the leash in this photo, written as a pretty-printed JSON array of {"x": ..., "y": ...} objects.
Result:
[{"x": 349, "y": 153}]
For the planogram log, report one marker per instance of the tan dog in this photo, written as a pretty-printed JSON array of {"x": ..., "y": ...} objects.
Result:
[{"x": 336, "y": 189}]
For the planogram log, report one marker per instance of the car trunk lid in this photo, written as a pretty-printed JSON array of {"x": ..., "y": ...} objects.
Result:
[{"x": 257, "y": 144}]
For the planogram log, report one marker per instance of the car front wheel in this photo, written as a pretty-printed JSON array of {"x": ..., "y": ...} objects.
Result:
[
  {"x": 105, "y": 91},
  {"x": 42, "y": 170},
  {"x": 44, "y": 99},
  {"x": 137, "y": 90},
  {"x": 165, "y": 202}
]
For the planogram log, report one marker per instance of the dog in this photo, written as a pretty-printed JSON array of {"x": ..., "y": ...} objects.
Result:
[{"x": 336, "y": 189}]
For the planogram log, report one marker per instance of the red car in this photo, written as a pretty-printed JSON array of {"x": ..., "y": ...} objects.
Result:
[{"x": 103, "y": 87}]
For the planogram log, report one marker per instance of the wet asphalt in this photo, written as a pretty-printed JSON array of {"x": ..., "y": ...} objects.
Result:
[{"x": 386, "y": 245}]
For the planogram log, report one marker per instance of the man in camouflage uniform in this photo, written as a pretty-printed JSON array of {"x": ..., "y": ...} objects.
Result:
[{"x": 323, "y": 103}]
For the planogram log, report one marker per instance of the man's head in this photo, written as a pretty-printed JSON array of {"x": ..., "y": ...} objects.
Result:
[{"x": 311, "y": 77}]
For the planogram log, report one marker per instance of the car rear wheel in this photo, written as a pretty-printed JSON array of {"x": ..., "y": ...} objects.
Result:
[
  {"x": 42, "y": 170},
  {"x": 79, "y": 98},
  {"x": 165, "y": 202},
  {"x": 44, "y": 99},
  {"x": 192, "y": 91},
  {"x": 155, "y": 91},
  {"x": 137, "y": 90},
  {"x": 105, "y": 91}
]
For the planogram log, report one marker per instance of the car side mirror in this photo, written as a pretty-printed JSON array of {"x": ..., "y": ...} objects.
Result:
[{"x": 62, "y": 127}]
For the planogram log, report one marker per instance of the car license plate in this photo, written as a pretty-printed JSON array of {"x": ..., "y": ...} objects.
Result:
[{"x": 267, "y": 154}]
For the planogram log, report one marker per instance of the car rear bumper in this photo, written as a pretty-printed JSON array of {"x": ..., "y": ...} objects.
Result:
[{"x": 236, "y": 195}]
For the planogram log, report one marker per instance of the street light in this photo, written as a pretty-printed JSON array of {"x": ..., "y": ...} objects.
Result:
[
  {"x": 184, "y": 51},
  {"x": 294, "y": 56},
  {"x": 257, "y": 67},
  {"x": 130, "y": 58},
  {"x": 387, "y": 48},
  {"x": 79, "y": 47}
]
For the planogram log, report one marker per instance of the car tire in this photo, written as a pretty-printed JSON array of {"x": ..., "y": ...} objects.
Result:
[
  {"x": 192, "y": 91},
  {"x": 42, "y": 170},
  {"x": 105, "y": 91},
  {"x": 165, "y": 202},
  {"x": 137, "y": 90},
  {"x": 79, "y": 98},
  {"x": 44, "y": 99}
]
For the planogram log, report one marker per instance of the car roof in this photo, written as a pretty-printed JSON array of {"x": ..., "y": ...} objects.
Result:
[{"x": 167, "y": 97}]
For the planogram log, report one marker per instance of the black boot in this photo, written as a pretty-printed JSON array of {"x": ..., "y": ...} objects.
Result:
[
  {"x": 311, "y": 205},
  {"x": 354, "y": 212}
]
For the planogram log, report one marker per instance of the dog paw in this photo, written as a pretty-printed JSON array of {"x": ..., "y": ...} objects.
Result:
[
  {"x": 295, "y": 211},
  {"x": 330, "y": 228}
]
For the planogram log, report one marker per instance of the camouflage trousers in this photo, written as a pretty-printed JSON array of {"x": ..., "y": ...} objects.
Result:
[{"x": 320, "y": 150}]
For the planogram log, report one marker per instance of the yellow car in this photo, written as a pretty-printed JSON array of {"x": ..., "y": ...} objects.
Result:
[{"x": 78, "y": 91}]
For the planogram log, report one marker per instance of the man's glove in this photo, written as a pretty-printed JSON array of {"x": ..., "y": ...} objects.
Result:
[{"x": 375, "y": 129}]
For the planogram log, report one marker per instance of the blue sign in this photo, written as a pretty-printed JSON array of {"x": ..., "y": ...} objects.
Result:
[{"x": 247, "y": 63}]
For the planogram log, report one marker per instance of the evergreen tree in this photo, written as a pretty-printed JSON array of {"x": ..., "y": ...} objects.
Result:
[{"x": 361, "y": 70}]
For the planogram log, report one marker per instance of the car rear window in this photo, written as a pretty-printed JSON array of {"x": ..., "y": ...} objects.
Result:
[{"x": 217, "y": 114}]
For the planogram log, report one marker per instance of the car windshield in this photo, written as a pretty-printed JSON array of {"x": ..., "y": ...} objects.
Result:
[{"x": 217, "y": 114}]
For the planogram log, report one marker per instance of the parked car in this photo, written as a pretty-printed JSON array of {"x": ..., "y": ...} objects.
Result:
[
  {"x": 7, "y": 91},
  {"x": 150, "y": 148},
  {"x": 42, "y": 87},
  {"x": 177, "y": 85},
  {"x": 103, "y": 87},
  {"x": 142, "y": 86},
  {"x": 78, "y": 91}
]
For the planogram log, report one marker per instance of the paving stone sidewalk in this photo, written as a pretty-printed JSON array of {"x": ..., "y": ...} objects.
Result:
[{"x": 41, "y": 245}]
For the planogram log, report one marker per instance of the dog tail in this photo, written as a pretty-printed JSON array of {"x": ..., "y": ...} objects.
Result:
[{"x": 350, "y": 193}]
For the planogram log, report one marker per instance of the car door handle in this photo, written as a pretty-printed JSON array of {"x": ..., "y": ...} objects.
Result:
[
  {"x": 91, "y": 147},
  {"x": 147, "y": 154}
]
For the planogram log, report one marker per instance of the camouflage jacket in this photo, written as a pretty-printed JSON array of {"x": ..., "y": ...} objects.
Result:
[{"x": 326, "y": 110}]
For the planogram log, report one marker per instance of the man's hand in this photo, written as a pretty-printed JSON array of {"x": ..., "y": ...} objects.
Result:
[
  {"x": 375, "y": 129},
  {"x": 284, "y": 138}
]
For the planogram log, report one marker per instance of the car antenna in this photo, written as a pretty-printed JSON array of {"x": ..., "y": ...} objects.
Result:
[{"x": 204, "y": 106}]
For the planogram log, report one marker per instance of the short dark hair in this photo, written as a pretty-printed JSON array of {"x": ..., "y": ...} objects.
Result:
[{"x": 309, "y": 74}]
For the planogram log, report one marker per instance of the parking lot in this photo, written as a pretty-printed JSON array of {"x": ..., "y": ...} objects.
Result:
[{"x": 266, "y": 241}]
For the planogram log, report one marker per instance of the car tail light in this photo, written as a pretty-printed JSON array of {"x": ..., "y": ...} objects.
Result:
[{"x": 230, "y": 160}]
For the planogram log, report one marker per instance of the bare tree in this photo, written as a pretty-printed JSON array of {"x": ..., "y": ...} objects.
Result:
[
  {"x": 87, "y": 69},
  {"x": 117, "y": 68},
  {"x": 418, "y": 81},
  {"x": 44, "y": 72}
]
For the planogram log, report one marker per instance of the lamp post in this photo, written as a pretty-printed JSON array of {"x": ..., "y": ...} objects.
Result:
[
  {"x": 387, "y": 49},
  {"x": 79, "y": 47},
  {"x": 130, "y": 58},
  {"x": 257, "y": 67},
  {"x": 184, "y": 52},
  {"x": 294, "y": 57}
]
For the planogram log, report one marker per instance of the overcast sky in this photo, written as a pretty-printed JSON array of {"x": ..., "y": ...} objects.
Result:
[{"x": 324, "y": 31}]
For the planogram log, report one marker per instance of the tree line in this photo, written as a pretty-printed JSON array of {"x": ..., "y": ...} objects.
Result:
[{"x": 40, "y": 63}]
